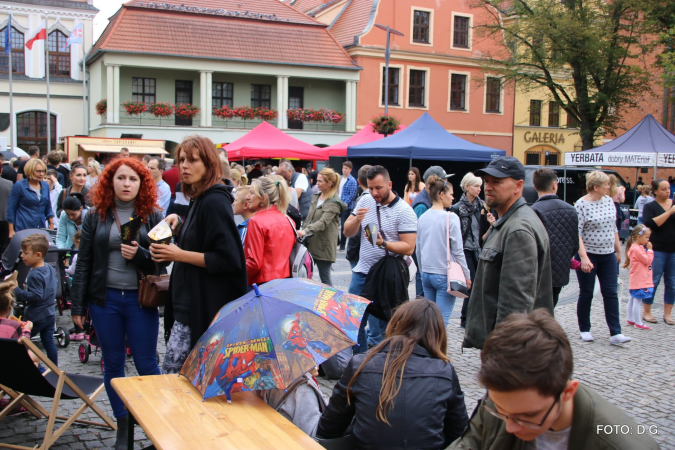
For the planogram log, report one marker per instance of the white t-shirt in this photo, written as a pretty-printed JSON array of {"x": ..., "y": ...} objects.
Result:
[
  {"x": 397, "y": 218},
  {"x": 163, "y": 196},
  {"x": 301, "y": 182},
  {"x": 597, "y": 224},
  {"x": 343, "y": 180},
  {"x": 551, "y": 440}
]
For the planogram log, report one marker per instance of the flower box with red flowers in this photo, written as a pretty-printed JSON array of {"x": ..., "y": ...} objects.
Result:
[
  {"x": 315, "y": 115},
  {"x": 224, "y": 112},
  {"x": 161, "y": 109},
  {"x": 266, "y": 113},
  {"x": 134, "y": 108},
  {"x": 245, "y": 112},
  {"x": 102, "y": 107},
  {"x": 385, "y": 124},
  {"x": 186, "y": 111}
]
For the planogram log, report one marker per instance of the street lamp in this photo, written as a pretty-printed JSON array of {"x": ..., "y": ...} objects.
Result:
[{"x": 387, "y": 52}]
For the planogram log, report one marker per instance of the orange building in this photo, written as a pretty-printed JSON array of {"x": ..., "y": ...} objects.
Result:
[{"x": 434, "y": 67}]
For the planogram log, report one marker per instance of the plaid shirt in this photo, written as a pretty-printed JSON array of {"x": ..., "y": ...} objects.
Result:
[
  {"x": 11, "y": 329},
  {"x": 349, "y": 192}
]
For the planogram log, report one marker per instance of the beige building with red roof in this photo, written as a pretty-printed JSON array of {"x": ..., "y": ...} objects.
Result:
[{"x": 215, "y": 53}]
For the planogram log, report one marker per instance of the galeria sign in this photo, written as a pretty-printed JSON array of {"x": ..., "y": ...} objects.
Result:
[{"x": 591, "y": 158}]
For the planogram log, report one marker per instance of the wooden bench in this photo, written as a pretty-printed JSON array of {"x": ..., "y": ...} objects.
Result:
[{"x": 174, "y": 416}]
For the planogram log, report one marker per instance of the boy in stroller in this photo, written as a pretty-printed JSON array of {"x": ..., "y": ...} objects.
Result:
[{"x": 39, "y": 296}]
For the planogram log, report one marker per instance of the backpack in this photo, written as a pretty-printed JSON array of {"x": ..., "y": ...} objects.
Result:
[{"x": 302, "y": 263}]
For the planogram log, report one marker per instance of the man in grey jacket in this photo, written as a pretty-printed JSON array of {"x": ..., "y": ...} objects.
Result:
[{"x": 514, "y": 267}]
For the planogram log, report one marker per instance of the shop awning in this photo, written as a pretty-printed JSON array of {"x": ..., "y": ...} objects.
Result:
[{"x": 101, "y": 148}]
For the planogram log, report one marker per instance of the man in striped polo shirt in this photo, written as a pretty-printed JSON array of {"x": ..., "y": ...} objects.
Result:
[{"x": 396, "y": 235}]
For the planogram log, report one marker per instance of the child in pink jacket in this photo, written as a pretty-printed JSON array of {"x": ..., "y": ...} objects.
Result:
[{"x": 639, "y": 257}]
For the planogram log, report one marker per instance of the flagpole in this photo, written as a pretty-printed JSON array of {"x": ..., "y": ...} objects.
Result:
[
  {"x": 49, "y": 111},
  {"x": 84, "y": 87},
  {"x": 11, "y": 99}
]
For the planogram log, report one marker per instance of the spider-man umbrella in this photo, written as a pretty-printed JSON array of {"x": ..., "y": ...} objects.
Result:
[{"x": 273, "y": 335}]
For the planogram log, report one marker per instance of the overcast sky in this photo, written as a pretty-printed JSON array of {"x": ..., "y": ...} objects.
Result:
[{"x": 107, "y": 8}]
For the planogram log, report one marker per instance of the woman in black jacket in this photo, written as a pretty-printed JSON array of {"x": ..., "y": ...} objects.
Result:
[
  {"x": 422, "y": 409},
  {"x": 209, "y": 268},
  {"x": 106, "y": 276}
]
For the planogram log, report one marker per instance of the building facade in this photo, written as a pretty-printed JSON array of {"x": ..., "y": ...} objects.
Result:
[
  {"x": 68, "y": 91},
  {"x": 235, "y": 54},
  {"x": 542, "y": 131},
  {"x": 434, "y": 66}
]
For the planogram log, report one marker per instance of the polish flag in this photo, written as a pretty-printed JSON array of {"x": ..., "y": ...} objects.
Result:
[{"x": 39, "y": 34}]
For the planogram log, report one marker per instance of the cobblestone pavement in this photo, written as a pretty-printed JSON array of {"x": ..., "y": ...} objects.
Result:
[{"x": 636, "y": 377}]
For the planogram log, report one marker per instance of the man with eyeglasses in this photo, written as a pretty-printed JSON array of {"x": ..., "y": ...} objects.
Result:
[{"x": 531, "y": 401}]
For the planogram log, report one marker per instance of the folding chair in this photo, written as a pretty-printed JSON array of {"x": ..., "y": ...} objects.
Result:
[{"x": 20, "y": 378}]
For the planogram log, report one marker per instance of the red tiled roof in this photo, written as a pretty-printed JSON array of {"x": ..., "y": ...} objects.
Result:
[
  {"x": 353, "y": 21},
  {"x": 306, "y": 5},
  {"x": 187, "y": 34},
  {"x": 270, "y": 10}
]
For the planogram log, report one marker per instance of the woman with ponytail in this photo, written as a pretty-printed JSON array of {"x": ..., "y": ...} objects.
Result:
[
  {"x": 70, "y": 220},
  {"x": 270, "y": 236},
  {"x": 404, "y": 393}
]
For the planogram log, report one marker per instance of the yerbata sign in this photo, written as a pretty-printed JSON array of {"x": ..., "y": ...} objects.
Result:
[{"x": 591, "y": 158}]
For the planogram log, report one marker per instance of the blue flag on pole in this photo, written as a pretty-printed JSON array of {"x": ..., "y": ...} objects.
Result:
[
  {"x": 74, "y": 38},
  {"x": 8, "y": 36}
]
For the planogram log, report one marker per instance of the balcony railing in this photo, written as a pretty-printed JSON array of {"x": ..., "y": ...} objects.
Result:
[{"x": 148, "y": 119}]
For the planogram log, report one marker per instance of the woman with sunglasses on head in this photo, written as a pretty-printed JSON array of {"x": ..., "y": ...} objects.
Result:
[
  {"x": 403, "y": 393},
  {"x": 29, "y": 204},
  {"x": 270, "y": 236}
]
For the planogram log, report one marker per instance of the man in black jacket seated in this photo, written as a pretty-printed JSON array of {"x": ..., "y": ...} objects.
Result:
[{"x": 562, "y": 225}]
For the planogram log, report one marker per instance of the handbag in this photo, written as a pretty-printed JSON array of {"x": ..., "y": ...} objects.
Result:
[
  {"x": 152, "y": 289},
  {"x": 456, "y": 278}
]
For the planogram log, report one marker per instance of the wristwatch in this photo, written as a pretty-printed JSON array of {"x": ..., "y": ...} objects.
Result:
[{"x": 383, "y": 245}]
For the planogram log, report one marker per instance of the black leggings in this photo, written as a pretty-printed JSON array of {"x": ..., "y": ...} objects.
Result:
[
  {"x": 324, "y": 271},
  {"x": 471, "y": 263}
]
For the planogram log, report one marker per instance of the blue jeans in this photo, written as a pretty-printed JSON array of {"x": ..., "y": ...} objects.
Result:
[
  {"x": 46, "y": 329},
  {"x": 376, "y": 327},
  {"x": 419, "y": 287},
  {"x": 605, "y": 267},
  {"x": 436, "y": 290},
  {"x": 663, "y": 266},
  {"x": 119, "y": 319}
]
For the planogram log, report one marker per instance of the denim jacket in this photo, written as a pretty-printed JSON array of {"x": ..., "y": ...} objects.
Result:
[{"x": 25, "y": 210}]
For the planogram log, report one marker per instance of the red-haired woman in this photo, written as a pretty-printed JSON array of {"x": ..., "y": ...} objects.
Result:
[
  {"x": 209, "y": 267},
  {"x": 106, "y": 277}
]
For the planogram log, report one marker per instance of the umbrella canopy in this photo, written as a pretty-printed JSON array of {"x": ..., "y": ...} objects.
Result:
[
  {"x": 267, "y": 141},
  {"x": 645, "y": 145},
  {"x": 425, "y": 139},
  {"x": 364, "y": 136},
  {"x": 8, "y": 155},
  {"x": 273, "y": 335},
  {"x": 18, "y": 152}
]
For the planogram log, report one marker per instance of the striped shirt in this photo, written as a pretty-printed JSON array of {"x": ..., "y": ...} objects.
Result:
[{"x": 397, "y": 218}]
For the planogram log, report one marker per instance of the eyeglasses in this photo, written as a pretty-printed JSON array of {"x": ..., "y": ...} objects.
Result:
[
  {"x": 524, "y": 423},
  {"x": 40, "y": 171}
]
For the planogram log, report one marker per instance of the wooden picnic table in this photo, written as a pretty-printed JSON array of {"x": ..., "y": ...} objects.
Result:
[{"x": 173, "y": 415}]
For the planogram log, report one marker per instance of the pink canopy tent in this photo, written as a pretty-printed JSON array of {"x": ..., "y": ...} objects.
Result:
[
  {"x": 364, "y": 136},
  {"x": 267, "y": 141}
]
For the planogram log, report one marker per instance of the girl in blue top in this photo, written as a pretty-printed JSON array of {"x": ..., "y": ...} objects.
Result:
[
  {"x": 29, "y": 203},
  {"x": 71, "y": 219}
]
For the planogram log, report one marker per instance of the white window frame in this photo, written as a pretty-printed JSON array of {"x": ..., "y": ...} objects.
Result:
[
  {"x": 467, "y": 89},
  {"x": 431, "y": 25},
  {"x": 452, "y": 31},
  {"x": 501, "y": 96},
  {"x": 427, "y": 84},
  {"x": 401, "y": 73}
]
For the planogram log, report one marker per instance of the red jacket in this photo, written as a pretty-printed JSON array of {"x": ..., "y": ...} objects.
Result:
[
  {"x": 172, "y": 177},
  {"x": 269, "y": 241}
]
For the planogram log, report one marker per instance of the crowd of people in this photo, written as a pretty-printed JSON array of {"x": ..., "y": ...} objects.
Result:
[{"x": 236, "y": 226}]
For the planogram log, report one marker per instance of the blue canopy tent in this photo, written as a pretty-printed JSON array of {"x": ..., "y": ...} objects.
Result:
[{"x": 425, "y": 139}]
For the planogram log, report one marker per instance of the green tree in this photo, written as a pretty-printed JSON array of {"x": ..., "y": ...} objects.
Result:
[{"x": 585, "y": 52}]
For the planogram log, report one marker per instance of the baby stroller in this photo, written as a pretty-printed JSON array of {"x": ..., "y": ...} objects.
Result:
[
  {"x": 11, "y": 261},
  {"x": 85, "y": 348}
]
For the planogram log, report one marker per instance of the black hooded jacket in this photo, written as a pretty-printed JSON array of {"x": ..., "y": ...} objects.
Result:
[
  {"x": 428, "y": 411},
  {"x": 196, "y": 294}
]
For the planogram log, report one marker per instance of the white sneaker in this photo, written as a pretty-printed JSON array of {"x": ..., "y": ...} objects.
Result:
[
  {"x": 619, "y": 339},
  {"x": 587, "y": 336}
]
